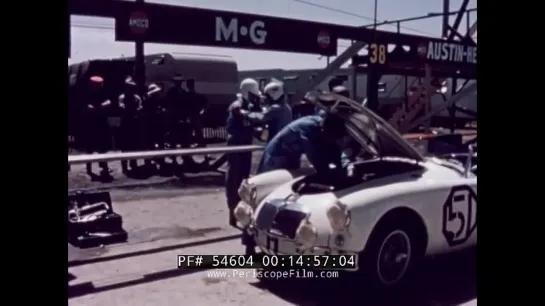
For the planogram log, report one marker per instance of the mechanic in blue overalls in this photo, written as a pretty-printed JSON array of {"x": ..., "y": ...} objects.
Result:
[
  {"x": 239, "y": 132},
  {"x": 277, "y": 113},
  {"x": 320, "y": 137}
]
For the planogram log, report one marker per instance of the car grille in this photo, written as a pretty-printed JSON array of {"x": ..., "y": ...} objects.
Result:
[
  {"x": 266, "y": 216},
  {"x": 287, "y": 222},
  {"x": 280, "y": 217}
]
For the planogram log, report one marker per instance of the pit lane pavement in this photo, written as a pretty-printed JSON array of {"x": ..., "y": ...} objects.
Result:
[
  {"x": 190, "y": 218},
  {"x": 166, "y": 217}
]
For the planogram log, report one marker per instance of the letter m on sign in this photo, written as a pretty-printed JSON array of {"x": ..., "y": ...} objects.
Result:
[{"x": 226, "y": 32}]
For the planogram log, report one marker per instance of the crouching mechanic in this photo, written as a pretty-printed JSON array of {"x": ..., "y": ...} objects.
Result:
[
  {"x": 239, "y": 132},
  {"x": 276, "y": 115},
  {"x": 320, "y": 138}
]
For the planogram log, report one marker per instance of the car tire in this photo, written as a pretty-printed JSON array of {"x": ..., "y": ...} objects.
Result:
[{"x": 391, "y": 255}]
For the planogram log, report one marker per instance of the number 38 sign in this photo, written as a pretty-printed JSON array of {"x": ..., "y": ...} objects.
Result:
[
  {"x": 377, "y": 54},
  {"x": 459, "y": 215}
]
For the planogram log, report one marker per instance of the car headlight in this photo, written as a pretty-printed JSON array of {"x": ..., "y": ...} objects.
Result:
[
  {"x": 243, "y": 213},
  {"x": 338, "y": 215},
  {"x": 248, "y": 193},
  {"x": 306, "y": 235}
]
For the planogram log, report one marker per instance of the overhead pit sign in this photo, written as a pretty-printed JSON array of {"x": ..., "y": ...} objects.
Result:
[
  {"x": 158, "y": 23},
  {"x": 448, "y": 52},
  {"x": 231, "y": 31}
]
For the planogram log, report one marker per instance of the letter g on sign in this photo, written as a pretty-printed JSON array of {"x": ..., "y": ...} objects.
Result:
[{"x": 258, "y": 33}]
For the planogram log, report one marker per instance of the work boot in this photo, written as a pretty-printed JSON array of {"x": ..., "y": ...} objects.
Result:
[
  {"x": 133, "y": 164},
  {"x": 248, "y": 242},
  {"x": 250, "y": 250},
  {"x": 124, "y": 167},
  {"x": 106, "y": 175},
  {"x": 89, "y": 169}
]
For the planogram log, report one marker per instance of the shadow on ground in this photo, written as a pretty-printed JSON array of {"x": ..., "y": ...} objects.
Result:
[
  {"x": 448, "y": 280},
  {"x": 445, "y": 281},
  {"x": 78, "y": 178},
  {"x": 88, "y": 288},
  {"x": 91, "y": 256}
]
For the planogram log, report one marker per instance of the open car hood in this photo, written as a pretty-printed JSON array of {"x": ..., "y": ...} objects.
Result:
[{"x": 372, "y": 132}]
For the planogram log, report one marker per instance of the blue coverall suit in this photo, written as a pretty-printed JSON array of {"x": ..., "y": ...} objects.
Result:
[
  {"x": 239, "y": 132},
  {"x": 284, "y": 151},
  {"x": 277, "y": 116},
  {"x": 302, "y": 136}
]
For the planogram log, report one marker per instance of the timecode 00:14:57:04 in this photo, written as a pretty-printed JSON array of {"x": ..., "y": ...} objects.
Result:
[{"x": 330, "y": 262}]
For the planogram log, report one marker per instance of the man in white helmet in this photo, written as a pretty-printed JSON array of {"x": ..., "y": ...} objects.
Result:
[
  {"x": 276, "y": 115},
  {"x": 239, "y": 132}
]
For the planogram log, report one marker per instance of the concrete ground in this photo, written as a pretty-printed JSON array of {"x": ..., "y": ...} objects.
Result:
[
  {"x": 166, "y": 217},
  {"x": 170, "y": 220}
]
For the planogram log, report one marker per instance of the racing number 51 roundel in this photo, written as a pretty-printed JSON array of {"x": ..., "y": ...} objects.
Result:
[{"x": 459, "y": 215}]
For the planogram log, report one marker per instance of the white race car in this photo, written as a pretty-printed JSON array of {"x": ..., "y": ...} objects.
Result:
[{"x": 391, "y": 211}]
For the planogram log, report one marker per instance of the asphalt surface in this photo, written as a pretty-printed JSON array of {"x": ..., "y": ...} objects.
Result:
[
  {"x": 167, "y": 221},
  {"x": 164, "y": 222},
  {"x": 166, "y": 217}
]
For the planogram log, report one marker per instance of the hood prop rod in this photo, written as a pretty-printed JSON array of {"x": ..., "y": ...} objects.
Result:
[{"x": 467, "y": 168}]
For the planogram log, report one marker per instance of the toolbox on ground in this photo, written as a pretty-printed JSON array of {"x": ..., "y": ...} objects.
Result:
[{"x": 92, "y": 221}]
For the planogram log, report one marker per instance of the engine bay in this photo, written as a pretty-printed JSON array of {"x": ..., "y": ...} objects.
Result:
[{"x": 363, "y": 171}]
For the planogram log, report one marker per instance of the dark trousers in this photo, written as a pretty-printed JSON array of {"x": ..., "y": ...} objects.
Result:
[
  {"x": 239, "y": 167},
  {"x": 157, "y": 134},
  {"x": 130, "y": 140},
  {"x": 98, "y": 139},
  {"x": 197, "y": 128}
]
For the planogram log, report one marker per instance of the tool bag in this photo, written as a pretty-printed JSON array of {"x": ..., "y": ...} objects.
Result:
[{"x": 92, "y": 221}]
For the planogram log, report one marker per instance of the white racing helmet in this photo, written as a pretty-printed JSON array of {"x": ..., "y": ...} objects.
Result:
[
  {"x": 248, "y": 86},
  {"x": 274, "y": 90}
]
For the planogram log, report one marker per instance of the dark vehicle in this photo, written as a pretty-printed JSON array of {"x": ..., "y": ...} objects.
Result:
[
  {"x": 113, "y": 72},
  {"x": 216, "y": 78}
]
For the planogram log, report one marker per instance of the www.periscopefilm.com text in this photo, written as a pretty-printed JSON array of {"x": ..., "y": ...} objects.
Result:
[{"x": 293, "y": 273}]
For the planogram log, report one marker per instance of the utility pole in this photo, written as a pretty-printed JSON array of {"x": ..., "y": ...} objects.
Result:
[
  {"x": 445, "y": 25},
  {"x": 139, "y": 64},
  {"x": 373, "y": 75},
  {"x": 375, "y": 21}
]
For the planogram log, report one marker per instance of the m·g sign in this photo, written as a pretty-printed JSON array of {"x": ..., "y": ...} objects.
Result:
[{"x": 232, "y": 31}]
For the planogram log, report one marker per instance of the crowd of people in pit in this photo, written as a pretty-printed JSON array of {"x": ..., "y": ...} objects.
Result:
[{"x": 158, "y": 119}]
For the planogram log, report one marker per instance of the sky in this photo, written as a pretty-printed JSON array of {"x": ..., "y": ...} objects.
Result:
[{"x": 93, "y": 38}]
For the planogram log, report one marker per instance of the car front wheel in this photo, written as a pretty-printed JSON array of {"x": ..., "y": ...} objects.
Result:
[
  {"x": 390, "y": 256},
  {"x": 393, "y": 258}
]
